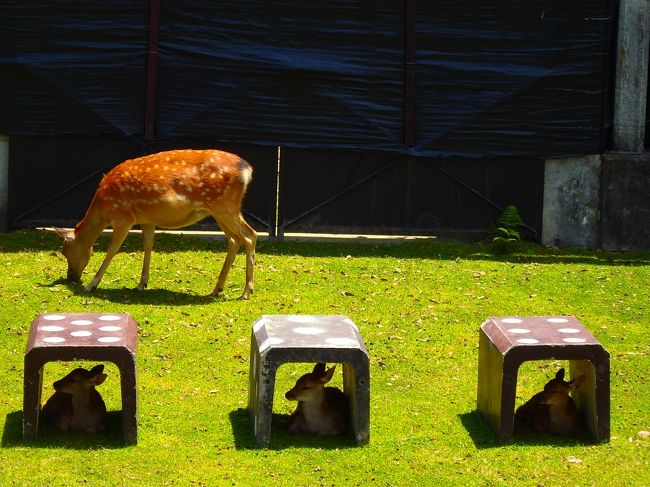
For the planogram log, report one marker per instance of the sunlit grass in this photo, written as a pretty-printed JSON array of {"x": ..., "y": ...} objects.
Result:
[{"x": 418, "y": 306}]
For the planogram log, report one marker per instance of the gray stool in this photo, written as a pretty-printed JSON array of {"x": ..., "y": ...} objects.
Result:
[
  {"x": 280, "y": 339},
  {"x": 81, "y": 336},
  {"x": 505, "y": 342}
]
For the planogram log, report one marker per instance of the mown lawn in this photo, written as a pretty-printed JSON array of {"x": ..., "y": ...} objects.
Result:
[{"x": 418, "y": 306}]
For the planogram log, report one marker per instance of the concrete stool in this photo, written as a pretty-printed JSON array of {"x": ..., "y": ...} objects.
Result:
[
  {"x": 506, "y": 342},
  {"x": 81, "y": 336},
  {"x": 279, "y": 339}
]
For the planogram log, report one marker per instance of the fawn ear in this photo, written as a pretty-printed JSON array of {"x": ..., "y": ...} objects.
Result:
[
  {"x": 319, "y": 369},
  {"x": 98, "y": 379},
  {"x": 97, "y": 369},
  {"x": 327, "y": 376},
  {"x": 560, "y": 374},
  {"x": 577, "y": 382}
]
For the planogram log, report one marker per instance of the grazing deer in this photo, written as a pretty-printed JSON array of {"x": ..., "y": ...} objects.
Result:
[
  {"x": 552, "y": 410},
  {"x": 76, "y": 404},
  {"x": 321, "y": 410},
  {"x": 171, "y": 189}
]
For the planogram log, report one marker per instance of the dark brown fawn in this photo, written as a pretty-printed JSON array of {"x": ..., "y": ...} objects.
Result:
[
  {"x": 552, "y": 410},
  {"x": 171, "y": 189},
  {"x": 76, "y": 404},
  {"x": 321, "y": 410}
]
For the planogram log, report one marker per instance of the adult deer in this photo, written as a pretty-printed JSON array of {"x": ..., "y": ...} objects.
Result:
[{"x": 170, "y": 189}]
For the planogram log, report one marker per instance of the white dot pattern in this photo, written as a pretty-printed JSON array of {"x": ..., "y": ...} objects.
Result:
[
  {"x": 306, "y": 331},
  {"x": 528, "y": 341},
  {"x": 533, "y": 330},
  {"x": 311, "y": 330},
  {"x": 72, "y": 328}
]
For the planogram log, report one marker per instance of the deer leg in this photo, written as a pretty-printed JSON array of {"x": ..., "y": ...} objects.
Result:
[
  {"x": 237, "y": 232},
  {"x": 148, "y": 231},
  {"x": 119, "y": 234},
  {"x": 233, "y": 243},
  {"x": 249, "y": 241}
]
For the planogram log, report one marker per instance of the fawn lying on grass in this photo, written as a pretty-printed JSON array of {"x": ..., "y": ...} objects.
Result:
[
  {"x": 76, "y": 404},
  {"x": 321, "y": 410},
  {"x": 552, "y": 410}
]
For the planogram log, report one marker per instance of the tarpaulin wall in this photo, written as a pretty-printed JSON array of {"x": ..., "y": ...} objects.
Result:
[{"x": 501, "y": 80}]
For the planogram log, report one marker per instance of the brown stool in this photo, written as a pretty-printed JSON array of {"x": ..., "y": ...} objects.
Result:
[
  {"x": 505, "y": 342},
  {"x": 81, "y": 336},
  {"x": 279, "y": 339}
]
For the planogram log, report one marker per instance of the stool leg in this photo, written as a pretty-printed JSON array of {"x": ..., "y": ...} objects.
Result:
[
  {"x": 264, "y": 404},
  {"x": 508, "y": 394},
  {"x": 490, "y": 382},
  {"x": 603, "y": 399},
  {"x": 129, "y": 392},
  {"x": 356, "y": 384},
  {"x": 33, "y": 383}
]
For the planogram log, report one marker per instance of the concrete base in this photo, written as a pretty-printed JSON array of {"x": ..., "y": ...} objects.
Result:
[
  {"x": 625, "y": 220},
  {"x": 598, "y": 201},
  {"x": 571, "y": 202}
]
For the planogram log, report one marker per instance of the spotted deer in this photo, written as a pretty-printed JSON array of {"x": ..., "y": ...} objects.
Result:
[
  {"x": 321, "y": 410},
  {"x": 170, "y": 189},
  {"x": 76, "y": 404},
  {"x": 552, "y": 410}
]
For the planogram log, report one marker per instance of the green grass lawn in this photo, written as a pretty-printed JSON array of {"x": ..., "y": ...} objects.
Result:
[{"x": 418, "y": 305}]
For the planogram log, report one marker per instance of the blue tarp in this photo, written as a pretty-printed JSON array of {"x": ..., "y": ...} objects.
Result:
[{"x": 501, "y": 78}]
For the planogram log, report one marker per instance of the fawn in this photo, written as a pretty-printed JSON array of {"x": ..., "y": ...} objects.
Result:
[
  {"x": 552, "y": 410},
  {"x": 170, "y": 189},
  {"x": 76, "y": 404},
  {"x": 321, "y": 410}
]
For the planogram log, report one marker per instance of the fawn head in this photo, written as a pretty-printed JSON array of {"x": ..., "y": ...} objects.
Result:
[
  {"x": 76, "y": 255},
  {"x": 310, "y": 386},
  {"x": 557, "y": 390},
  {"x": 80, "y": 381}
]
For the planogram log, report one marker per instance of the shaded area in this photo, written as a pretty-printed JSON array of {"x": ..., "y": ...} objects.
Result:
[{"x": 50, "y": 437}]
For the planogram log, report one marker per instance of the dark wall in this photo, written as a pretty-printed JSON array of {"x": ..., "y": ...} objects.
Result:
[
  {"x": 501, "y": 79},
  {"x": 498, "y": 87}
]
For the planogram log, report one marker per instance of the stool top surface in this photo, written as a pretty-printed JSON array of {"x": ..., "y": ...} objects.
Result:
[
  {"x": 307, "y": 331},
  {"x": 83, "y": 330},
  {"x": 510, "y": 331}
]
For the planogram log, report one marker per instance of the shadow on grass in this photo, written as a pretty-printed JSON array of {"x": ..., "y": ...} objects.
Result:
[
  {"x": 133, "y": 296},
  {"x": 49, "y": 437},
  {"x": 484, "y": 437},
  {"x": 40, "y": 240},
  {"x": 281, "y": 439}
]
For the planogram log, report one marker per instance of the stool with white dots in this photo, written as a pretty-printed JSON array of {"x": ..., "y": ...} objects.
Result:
[
  {"x": 506, "y": 342},
  {"x": 279, "y": 339},
  {"x": 81, "y": 336}
]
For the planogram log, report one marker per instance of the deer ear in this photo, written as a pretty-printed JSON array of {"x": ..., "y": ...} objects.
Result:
[
  {"x": 577, "y": 382},
  {"x": 97, "y": 369},
  {"x": 65, "y": 234},
  {"x": 319, "y": 369},
  {"x": 327, "y": 376},
  {"x": 560, "y": 374},
  {"x": 98, "y": 379}
]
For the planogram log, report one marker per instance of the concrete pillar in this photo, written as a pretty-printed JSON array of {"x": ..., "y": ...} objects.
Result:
[
  {"x": 571, "y": 216},
  {"x": 631, "y": 86},
  {"x": 4, "y": 183}
]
